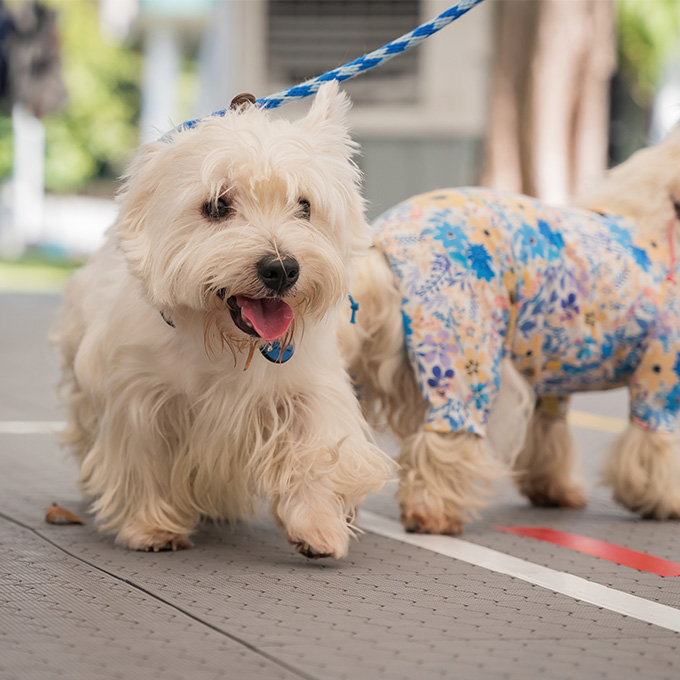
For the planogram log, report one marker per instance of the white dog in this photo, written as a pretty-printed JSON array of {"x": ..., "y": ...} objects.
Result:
[
  {"x": 475, "y": 305},
  {"x": 199, "y": 345}
]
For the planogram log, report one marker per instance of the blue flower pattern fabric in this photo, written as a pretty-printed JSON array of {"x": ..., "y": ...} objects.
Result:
[{"x": 579, "y": 300}]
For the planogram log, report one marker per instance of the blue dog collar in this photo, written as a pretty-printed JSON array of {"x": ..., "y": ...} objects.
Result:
[{"x": 275, "y": 353}]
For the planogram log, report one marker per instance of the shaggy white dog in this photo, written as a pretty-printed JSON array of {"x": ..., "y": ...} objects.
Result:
[
  {"x": 231, "y": 250},
  {"x": 477, "y": 305}
]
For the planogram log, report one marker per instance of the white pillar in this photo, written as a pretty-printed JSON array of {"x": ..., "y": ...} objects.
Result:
[
  {"x": 162, "y": 56},
  {"x": 220, "y": 58},
  {"x": 28, "y": 181}
]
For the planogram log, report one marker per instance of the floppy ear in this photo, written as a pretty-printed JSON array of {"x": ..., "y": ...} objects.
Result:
[
  {"x": 140, "y": 182},
  {"x": 330, "y": 107}
]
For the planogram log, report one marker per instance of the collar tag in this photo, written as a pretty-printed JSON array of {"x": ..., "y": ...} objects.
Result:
[{"x": 275, "y": 353}]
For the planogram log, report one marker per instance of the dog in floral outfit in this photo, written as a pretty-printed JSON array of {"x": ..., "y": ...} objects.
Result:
[{"x": 482, "y": 311}]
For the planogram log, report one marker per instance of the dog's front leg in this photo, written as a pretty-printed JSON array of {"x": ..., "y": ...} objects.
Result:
[
  {"x": 644, "y": 466},
  {"x": 444, "y": 477},
  {"x": 129, "y": 472},
  {"x": 314, "y": 519},
  {"x": 324, "y": 473}
]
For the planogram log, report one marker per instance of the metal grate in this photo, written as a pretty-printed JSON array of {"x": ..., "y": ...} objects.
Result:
[{"x": 308, "y": 37}]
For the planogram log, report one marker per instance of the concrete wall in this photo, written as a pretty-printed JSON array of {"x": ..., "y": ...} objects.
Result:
[{"x": 397, "y": 168}]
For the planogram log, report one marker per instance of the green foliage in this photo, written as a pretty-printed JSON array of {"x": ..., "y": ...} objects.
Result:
[
  {"x": 36, "y": 271},
  {"x": 648, "y": 34},
  {"x": 94, "y": 135}
]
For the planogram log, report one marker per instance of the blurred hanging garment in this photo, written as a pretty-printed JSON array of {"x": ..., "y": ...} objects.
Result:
[
  {"x": 30, "y": 59},
  {"x": 548, "y": 128},
  {"x": 6, "y": 29}
]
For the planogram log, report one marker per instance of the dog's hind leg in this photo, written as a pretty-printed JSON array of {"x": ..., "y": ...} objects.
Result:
[
  {"x": 644, "y": 473},
  {"x": 444, "y": 480},
  {"x": 544, "y": 469},
  {"x": 644, "y": 467}
]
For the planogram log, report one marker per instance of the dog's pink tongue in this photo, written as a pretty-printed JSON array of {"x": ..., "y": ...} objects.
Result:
[{"x": 270, "y": 317}]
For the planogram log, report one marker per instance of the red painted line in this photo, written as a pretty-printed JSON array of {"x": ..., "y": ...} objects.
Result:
[{"x": 601, "y": 549}]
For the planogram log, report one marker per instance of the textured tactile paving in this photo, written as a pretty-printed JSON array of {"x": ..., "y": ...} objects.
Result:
[
  {"x": 62, "y": 618},
  {"x": 28, "y": 371},
  {"x": 242, "y": 604}
]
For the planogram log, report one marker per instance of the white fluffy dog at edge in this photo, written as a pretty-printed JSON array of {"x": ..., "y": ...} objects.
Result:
[
  {"x": 231, "y": 236},
  {"x": 445, "y": 475}
]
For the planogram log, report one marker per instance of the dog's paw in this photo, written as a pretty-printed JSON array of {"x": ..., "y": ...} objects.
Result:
[
  {"x": 422, "y": 522},
  {"x": 309, "y": 552},
  {"x": 555, "y": 495},
  {"x": 165, "y": 540},
  {"x": 660, "y": 510},
  {"x": 321, "y": 540},
  {"x": 424, "y": 511},
  {"x": 153, "y": 540}
]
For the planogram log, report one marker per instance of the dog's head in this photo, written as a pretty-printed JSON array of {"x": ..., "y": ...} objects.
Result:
[{"x": 249, "y": 219}]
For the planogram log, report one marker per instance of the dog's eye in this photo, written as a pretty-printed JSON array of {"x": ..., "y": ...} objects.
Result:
[
  {"x": 304, "y": 209},
  {"x": 218, "y": 209}
]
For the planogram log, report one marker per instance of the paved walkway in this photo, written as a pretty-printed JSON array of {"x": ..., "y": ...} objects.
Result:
[{"x": 243, "y": 605}]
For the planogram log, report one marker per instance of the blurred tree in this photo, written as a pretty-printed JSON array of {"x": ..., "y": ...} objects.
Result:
[
  {"x": 94, "y": 134},
  {"x": 550, "y": 100},
  {"x": 553, "y": 59},
  {"x": 648, "y": 35}
]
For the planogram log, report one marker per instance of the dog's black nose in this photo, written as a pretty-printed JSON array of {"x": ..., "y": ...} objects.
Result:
[{"x": 278, "y": 274}]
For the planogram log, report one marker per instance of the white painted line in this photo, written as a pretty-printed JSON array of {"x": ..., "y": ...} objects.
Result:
[
  {"x": 31, "y": 426},
  {"x": 557, "y": 581}
]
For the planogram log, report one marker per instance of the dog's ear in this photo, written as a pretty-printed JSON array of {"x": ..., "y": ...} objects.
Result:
[
  {"x": 330, "y": 107},
  {"x": 139, "y": 183},
  {"x": 144, "y": 158}
]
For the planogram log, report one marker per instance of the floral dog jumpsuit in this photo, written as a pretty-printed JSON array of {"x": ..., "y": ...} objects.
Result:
[{"x": 579, "y": 300}]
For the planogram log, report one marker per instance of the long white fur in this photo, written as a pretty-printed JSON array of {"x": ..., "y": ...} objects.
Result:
[
  {"x": 165, "y": 422},
  {"x": 443, "y": 476}
]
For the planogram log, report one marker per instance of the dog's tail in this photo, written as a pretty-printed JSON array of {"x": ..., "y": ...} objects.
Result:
[
  {"x": 373, "y": 346},
  {"x": 645, "y": 188}
]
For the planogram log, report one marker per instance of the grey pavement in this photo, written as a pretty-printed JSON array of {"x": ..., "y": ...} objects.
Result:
[{"x": 243, "y": 605}]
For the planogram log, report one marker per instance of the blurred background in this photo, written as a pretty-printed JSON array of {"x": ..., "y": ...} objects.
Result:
[{"x": 538, "y": 96}]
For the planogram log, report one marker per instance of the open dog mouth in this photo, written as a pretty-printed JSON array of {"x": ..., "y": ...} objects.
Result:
[{"x": 266, "y": 318}]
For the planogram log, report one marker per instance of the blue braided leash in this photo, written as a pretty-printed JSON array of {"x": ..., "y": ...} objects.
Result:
[{"x": 360, "y": 65}]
